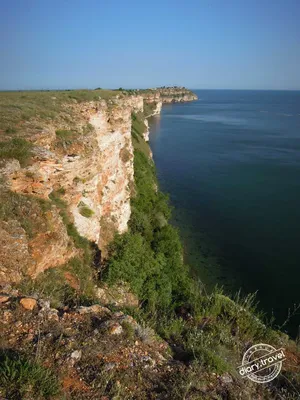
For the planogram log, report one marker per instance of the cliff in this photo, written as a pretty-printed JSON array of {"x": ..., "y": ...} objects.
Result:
[
  {"x": 103, "y": 318},
  {"x": 80, "y": 160}
]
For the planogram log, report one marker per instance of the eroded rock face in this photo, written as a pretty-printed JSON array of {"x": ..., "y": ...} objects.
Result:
[
  {"x": 169, "y": 95},
  {"x": 91, "y": 169},
  {"x": 22, "y": 255},
  {"x": 95, "y": 174},
  {"x": 52, "y": 247}
]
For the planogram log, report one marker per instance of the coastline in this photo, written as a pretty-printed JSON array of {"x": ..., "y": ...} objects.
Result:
[{"x": 125, "y": 305}]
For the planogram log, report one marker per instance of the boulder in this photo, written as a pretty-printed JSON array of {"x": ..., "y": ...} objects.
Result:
[{"x": 28, "y": 303}]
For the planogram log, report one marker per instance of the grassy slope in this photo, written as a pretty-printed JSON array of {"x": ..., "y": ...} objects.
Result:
[
  {"x": 18, "y": 107},
  {"x": 209, "y": 331}
]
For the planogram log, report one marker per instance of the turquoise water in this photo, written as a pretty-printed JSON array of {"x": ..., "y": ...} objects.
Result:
[{"x": 231, "y": 164}]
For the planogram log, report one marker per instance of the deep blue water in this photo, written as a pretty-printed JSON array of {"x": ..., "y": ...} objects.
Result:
[{"x": 231, "y": 164}]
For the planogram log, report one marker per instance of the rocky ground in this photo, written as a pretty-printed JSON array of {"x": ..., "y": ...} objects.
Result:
[{"x": 99, "y": 352}]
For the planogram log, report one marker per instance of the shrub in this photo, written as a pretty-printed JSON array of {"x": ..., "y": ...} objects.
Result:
[
  {"x": 128, "y": 330},
  {"x": 84, "y": 210},
  {"x": 149, "y": 257}
]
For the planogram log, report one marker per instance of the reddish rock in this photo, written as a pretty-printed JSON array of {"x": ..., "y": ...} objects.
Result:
[
  {"x": 112, "y": 327},
  {"x": 115, "y": 329},
  {"x": 3, "y": 299},
  {"x": 28, "y": 303}
]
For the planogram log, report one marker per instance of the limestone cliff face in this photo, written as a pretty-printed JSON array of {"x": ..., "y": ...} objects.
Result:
[
  {"x": 90, "y": 170},
  {"x": 176, "y": 95},
  {"x": 156, "y": 98},
  {"x": 169, "y": 95}
]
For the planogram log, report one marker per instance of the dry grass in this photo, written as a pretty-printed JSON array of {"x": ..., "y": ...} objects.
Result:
[{"x": 16, "y": 108}]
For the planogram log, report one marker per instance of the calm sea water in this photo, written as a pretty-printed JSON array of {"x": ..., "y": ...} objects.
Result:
[{"x": 231, "y": 164}]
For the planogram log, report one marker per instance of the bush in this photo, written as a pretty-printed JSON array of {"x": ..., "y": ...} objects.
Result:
[
  {"x": 149, "y": 257},
  {"x": 85, "y": 211}
]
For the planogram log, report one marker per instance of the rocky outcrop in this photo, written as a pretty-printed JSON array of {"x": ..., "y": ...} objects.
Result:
[
  {"x": 169, "y": 95},
  {"x": 84, "y": 166},
  {"x": 156, "y": 97}
]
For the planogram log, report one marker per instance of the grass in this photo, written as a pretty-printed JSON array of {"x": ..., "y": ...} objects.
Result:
[
  {"x": 22, "y": 378},
  {"x": 71, "y": 284},
  {"x": 137, "y": 129},
  {"x": 18, "y": 107},
  {"x": 27, "y": 210},
  {"x": 65, "y": 135},
  {"x": 31, "y": 213},
  {"x": 79, "y": 241},
  {"x": 149, "y": 108},
  {"x": 85, "y": 211},
  {"x": 16, "y": 148}
]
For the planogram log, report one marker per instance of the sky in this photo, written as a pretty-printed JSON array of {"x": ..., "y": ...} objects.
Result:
[{"x": 209, "y": 44}]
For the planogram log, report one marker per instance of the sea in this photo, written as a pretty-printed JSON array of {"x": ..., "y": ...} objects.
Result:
[{"x": 230, "y": 162}]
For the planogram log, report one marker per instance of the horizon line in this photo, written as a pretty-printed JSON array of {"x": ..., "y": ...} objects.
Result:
[{"x": 144, "y": 88}]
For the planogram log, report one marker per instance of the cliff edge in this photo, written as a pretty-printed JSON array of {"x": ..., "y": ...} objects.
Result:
[{"x": 74, "y": 166}]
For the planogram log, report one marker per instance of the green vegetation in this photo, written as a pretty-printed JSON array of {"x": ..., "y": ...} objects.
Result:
[
  {"x": 138, "y": 127},
  {"x": 80, "y": 242},
  {"x": 66, "y": 137},
  {"x": 151, "y": 242},
  {"x": 29, "y": 211},
  {"x": 208, "y": 328},
  {"x": 88, "y": 128},
  {"x": 71, "y": 284},
  {"x": 84, "y": 210},
  {"x": 32, "y": 213},
  {"x": 17, "y": 148},
  {"x": 207, "y": 331},
  {"x": 18, "y": 107},
  {"x": 21, "y": 378},
  {"x": 149, "y": 108}
]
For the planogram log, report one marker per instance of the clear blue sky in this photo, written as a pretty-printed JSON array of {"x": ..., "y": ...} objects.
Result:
[{"x": 237, "y": 44}]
